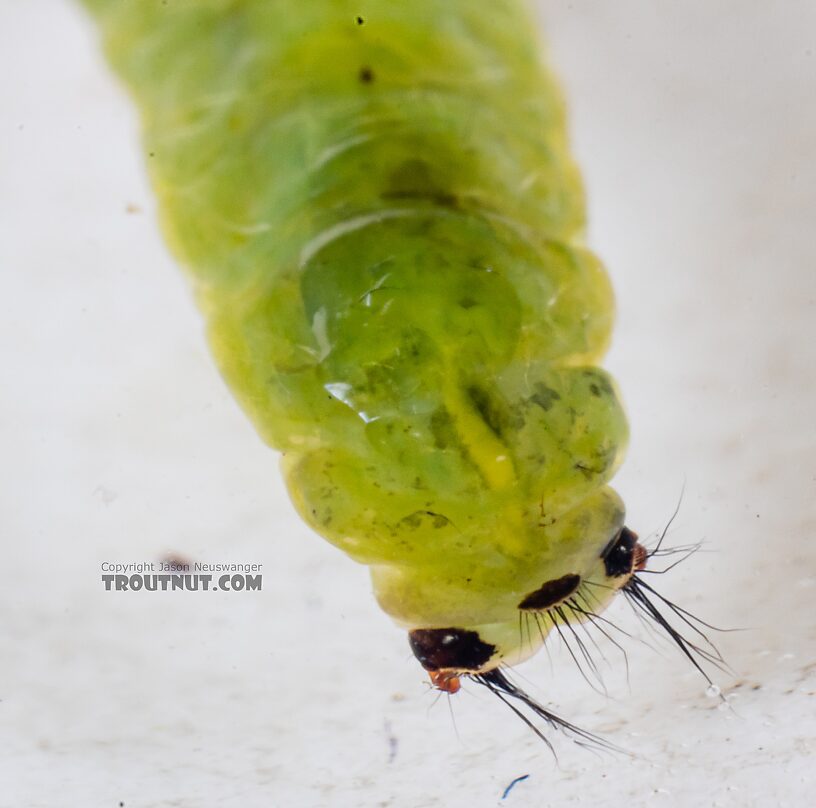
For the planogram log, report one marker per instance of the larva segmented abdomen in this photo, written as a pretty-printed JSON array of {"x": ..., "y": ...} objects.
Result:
[{"x": 382, "y": 221}]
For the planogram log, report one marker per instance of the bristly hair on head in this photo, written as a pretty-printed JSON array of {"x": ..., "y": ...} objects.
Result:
[
  {"x": 498, "y": 683},
  {"x": 646, "y": 602}
]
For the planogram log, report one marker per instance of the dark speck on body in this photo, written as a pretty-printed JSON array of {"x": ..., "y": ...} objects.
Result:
[{"x": 544, "y": 396}]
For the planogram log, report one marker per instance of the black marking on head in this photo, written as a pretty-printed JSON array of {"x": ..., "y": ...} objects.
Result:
[
  {"x": 551, "y": 593},
  {"x": 438, "y": 648},
  {"x": 366, "y": 75},
  {"x": 619, "y": 555}
]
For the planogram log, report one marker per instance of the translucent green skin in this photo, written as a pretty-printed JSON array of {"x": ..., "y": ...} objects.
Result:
[{"x": 382, "y": 224}]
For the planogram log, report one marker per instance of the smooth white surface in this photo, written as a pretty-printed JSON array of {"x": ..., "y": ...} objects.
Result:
[{"x": 695, "y": 127}]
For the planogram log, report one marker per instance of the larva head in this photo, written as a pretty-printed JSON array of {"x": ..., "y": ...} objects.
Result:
[{"x": 452, "y": 652}]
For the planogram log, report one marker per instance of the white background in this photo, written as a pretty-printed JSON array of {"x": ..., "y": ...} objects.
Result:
[{"x": 695, "y": 126}]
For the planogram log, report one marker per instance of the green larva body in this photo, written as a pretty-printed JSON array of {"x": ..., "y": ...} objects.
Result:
[{"x": 383, "y": 227}]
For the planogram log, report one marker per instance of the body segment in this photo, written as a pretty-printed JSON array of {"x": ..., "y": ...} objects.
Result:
[{"x": 382, "y": 224}]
